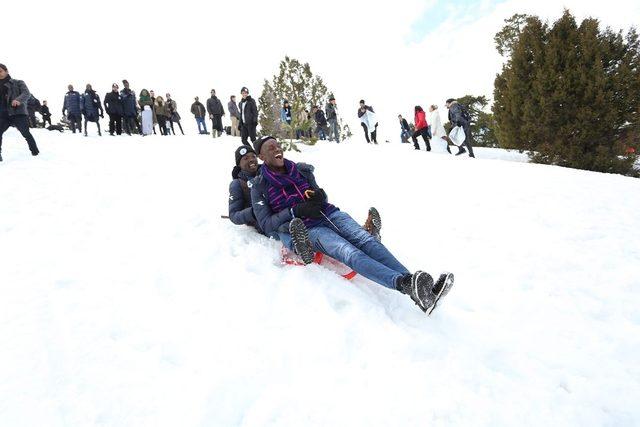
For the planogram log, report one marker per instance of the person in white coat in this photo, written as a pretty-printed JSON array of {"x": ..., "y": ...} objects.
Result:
[
  {"x": 439, "y": 142},
  {"x": 369, "y": 122}
]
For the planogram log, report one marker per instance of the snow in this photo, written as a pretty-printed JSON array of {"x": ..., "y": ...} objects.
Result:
[{"x": 126, "y": 301}]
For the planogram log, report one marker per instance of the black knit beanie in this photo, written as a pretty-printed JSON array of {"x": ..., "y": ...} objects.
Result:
[
  {"x": 242, "y": 151},
  {"x": 258, "y": 144}
]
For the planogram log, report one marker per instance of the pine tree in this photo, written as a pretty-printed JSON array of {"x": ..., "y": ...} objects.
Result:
[{"x": 568, "y": 94}]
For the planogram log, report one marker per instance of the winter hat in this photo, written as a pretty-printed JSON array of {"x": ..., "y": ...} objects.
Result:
[
  {"x": 362, "y": 101},
  {"x": 4, "y": 67},
  {"x": 242, "y": 151},
  {"x": 258, "y": 144},
  {"x": 449, "y": 100},
  {"x": 333, "y": 98},
  {"x": 244, "y": 89}
]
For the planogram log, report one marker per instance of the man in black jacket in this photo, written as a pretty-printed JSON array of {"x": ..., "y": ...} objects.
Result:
[
  {"x": 46, "y": 114},
  {"x": 113, "y": 105},
  {"x": 216, "y": 111},
  {"x": 248, "y": 117},
  {"x": 458, "y": 116},
  {"x": 14, "y": 96}
]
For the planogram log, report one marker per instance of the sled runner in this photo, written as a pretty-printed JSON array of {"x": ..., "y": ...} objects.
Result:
[{"x": 290, "y": 258}]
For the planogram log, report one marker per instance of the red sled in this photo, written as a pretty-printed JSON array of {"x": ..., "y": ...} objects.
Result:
[{"x": 290, "y": 258}]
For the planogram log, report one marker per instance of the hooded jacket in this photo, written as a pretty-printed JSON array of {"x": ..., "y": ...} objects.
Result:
[
  {"x": 240, "y": 209},
  {"x": 16, "y": 91}
]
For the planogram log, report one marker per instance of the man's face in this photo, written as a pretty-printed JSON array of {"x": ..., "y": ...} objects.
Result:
[
  {"x": 3, "y": 73},
  {"x": 249, "y": 163},
  {"x": 362, "y": 105},
  {"x": 114, "y": 88},
  {"x": 152, "y": 94},
  {"x": 333, "y": 101},
  {"x": 196, "y": 98},
  {"x": 168, "y": 96},
  {"x": 44, "y": 103},
  {"x": 271, "y": 154},
  {"x": 70, "y": 88},
  {"x": 244, "y": 94},
  {"x": 213, "y": 92},
  {"x": 126, "y": 85},
  {"x": 448, "y": 105},
  {"x": 88, "y": 87}
]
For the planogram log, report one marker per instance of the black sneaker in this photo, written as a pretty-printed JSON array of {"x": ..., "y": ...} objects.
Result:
[
  {"x": 418, "y": 286},
  {"x": 440, "y": 289},
  {"x": 301, "y": 243},
  {"x": 461, "y": 151},
  {"x": 374, "y": 223}
]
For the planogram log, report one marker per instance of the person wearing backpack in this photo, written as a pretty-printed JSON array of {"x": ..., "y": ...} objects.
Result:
[{"x": 459, "y": 116}]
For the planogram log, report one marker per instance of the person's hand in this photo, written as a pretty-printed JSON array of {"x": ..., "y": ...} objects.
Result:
[
  {"x": 316, "y": 196},
  {"x": 308, "y": 209},
  {"x": 15, "y": 103}
]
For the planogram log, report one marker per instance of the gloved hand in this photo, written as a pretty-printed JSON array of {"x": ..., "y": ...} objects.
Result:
[
  {"x": 308, "y": 209},
  {"x": 316, "y": 196}
]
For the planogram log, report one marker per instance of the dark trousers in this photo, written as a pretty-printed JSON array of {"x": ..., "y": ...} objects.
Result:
[
  {"x": 373, "y": 134},
  {"x": 46, "y": 119},
  {"x": 22, "y": 124},
  {"x": 96, "y": 121},
  {"x": 75, "y": 122},
  {"x": 32, "y": 119},
  {"x": 425, "y": 136},
  {"x": 162, "y": 124},
  {"x": 171, "y": 122},
  {"x": 115, "y": 124},
  {"x": 248, "y": 131},
  {"x": 467, "y": 140},
  {"x": 131, "y": 125}
]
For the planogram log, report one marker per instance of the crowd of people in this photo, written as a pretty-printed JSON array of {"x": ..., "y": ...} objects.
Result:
[{"x": 141, "y": 114}]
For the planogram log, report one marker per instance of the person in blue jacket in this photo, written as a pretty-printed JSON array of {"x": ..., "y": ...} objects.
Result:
[
  {"x": 285, "y": 113},
  {"x": 129, "y": 109},
  {"x": 240, "y": 210},
  {"x": 91, "y": 108},
  {"x": 289, "y": 203},
  {"x": 72, "y": 110}
]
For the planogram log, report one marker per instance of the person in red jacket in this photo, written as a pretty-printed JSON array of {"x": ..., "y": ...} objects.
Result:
[{"x": 422, "y": 128}]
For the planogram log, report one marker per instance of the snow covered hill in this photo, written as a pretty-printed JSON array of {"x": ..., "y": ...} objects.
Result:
[{"x": 126, "y": 301}]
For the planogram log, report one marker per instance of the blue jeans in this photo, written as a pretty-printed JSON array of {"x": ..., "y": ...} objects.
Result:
[
  {"x": 334, "y": 130},
  {"x": 200, "y": 121},
  {"x": 353, "y": 246}
]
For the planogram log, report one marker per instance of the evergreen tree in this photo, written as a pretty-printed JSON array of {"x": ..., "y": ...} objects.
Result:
[
  {"x": 569, "y": 93},
  {"x": 296, "y": 83}
]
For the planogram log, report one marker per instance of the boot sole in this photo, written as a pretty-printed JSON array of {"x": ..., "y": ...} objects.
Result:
[
  {"x": 428, "y": 285},
  {"x": 448, "y": 283},
  {"x": 301, "y": 242},
  {"x": 376, "y": 220}
]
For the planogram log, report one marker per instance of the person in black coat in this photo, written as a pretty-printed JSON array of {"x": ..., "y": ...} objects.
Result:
[
  {"x": 216, "y": 111},
  {"x": 240, "y": 210},
  {"x": 91, "y": 108},
  {"x": 405, "y": 129},
  {"x": 458, "y": 116},
  {"x": 130, "y": 110},
  {"x": 14, "y": 96},
  {"x": 115, "y": 110},
  {"x": 46, "y": 114},
  {"x": 321, "y": 122},
  {"x": 248, "y": 117},
  {"x": 71, "y": 109}
]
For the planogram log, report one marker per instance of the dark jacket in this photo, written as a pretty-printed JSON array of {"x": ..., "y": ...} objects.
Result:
[
  {"x": 44, "y": 111},
  {"x": 16, "y": 90},
  {"x": 366, "y": 107},
  {"x": 233, "y": 109},
  {"x": 456, "y": 116},
  {"x": 320, "y": 119},
  {"x": 331, "y": 112},
  {"x": 197, "y": 109},
  {"x": 248, "y": 105},
  {"x": 33, "y": 106},
  {"x": 214, "y": 106},
  {"x": 240, "y": 210},
  {"x": 113, "y": 103},
  {"x": 273, "y": 222},
  {"x": 91, "y": 105},
  {"x": 129, "y": 108},
  {"x": 404, "y": 125},
  {"x": 71, "y": 103}
]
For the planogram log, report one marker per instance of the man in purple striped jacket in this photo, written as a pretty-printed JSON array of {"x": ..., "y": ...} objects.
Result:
[{"x": 289, "y": 204}]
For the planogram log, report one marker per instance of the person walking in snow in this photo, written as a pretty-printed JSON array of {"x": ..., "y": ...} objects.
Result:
[
  {"x": 130, "y": 111},
  {"x": 288, "y": 203},
  {"x": 198, "y": 111},
  {"x": 33, "y": 107},
  {"x": 436, "y": 129},
  {"x": 331, "y": 111},
  {"x": 174, "y": 116},
  {"x": 113, "y": 106},
  {"x": 246, "y": 168},
  {"x": 234, "y": 112},
  {"x": 71, "y": 109},
  {"x": 321, "y": 122},
  {"x": 248, "y": 117},
  {"x": 45, "y": 113},
  {"x": 162, "y": 114},
  {"x": 405, "y": 130},
  {"x": 422, "y": 128},
  {"x": 91, "y": 108},
  {"x": 459, "y": 116},
  {"x": 216, "y": 111},
  {"x": 369, "y": 121},
  {"x": 285, "y": 113},
  {"x": 14, "y": 96}
]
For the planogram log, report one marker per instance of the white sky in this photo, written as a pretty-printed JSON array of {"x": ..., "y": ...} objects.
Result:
[{"x": 361, "y": 49}]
